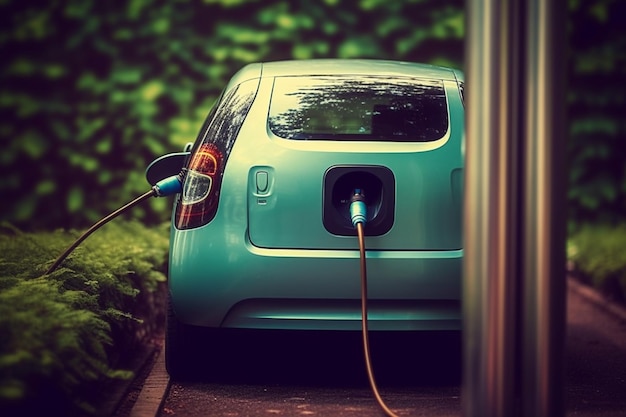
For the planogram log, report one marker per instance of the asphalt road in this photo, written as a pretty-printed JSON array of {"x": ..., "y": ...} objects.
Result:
[{"x": 323, "y": 375}]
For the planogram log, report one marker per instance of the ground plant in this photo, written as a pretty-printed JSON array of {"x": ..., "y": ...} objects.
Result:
[
  {"x": 68, "y": 334},
  {"x": 597, "y": 257}
]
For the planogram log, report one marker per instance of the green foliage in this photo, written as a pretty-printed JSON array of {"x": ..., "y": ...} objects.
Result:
[
  {"x": 48, "y": 339},
  {"x": 64, "y": 334},
  {"x": 92, "y": 91},
  {"x": 597, "y": 253},
  {"x": 597, "y": 105}
]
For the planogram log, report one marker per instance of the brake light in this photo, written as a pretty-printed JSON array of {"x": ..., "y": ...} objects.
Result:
[
  {"x": 203, "y": 177},
  {"x": 200, "y": 193}
]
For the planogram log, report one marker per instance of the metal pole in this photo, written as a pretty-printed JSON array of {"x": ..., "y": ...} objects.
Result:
[
  {"x": 491, "y": 215},
  {"x": 513, "y": 289},
  {"x": 545, "y": 212}
]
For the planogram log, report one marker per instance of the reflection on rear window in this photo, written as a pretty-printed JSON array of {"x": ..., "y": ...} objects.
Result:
[{"x": 358, "y": 108}]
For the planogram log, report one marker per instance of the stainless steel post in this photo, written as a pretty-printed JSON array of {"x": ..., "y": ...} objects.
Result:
[
  {"x": 545, "y": 214},
  {"x": 513, "y": 288},
  {"x": 492, "y": 214}
]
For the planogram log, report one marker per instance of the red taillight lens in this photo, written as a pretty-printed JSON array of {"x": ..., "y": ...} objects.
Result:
[{"x": 206, "y": 159}]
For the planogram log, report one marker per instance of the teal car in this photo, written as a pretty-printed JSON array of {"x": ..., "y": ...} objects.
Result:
[{"x": 261, "y": 235}]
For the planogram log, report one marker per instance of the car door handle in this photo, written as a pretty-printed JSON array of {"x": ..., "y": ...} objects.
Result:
[{"x": 262, "y": 182}]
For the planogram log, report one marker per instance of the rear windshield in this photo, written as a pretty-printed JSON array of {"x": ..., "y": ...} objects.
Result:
[{"x": 358, "y": 108}]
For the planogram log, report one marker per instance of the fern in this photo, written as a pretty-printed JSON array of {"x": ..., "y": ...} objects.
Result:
[{"x": 65, "y": 332}]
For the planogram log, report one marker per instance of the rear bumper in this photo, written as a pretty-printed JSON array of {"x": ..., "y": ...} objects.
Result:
[
  {"x": 298, "y": 289},
  {"x": 310, "y": 314}
]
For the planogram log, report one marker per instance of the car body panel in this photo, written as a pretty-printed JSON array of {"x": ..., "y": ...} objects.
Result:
[{"x": 428, "y": 175}]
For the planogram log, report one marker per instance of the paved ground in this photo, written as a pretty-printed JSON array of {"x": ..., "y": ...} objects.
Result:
[
  {"x": 416, "y": 376},
  {"x": 336, "y": 386},
  {"x": 596, "y": 356}
]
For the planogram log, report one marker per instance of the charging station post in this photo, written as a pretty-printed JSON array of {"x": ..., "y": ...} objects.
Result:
[{"x": 514, "y": 224}]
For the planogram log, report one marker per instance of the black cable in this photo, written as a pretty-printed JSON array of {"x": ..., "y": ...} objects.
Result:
[
  {"x": 96, "y": 226},
  {"x": 366, "y": 344}
]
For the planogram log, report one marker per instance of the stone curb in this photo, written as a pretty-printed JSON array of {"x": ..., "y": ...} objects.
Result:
[{"x": 154, "y": 390}]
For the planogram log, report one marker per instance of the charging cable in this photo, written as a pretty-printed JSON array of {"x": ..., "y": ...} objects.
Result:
[
  {"x": 168, "y": 186},
  {"x": 358, "y": 215}
]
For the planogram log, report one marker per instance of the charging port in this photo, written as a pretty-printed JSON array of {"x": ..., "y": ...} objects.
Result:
[{"x": 377, "y": 184}]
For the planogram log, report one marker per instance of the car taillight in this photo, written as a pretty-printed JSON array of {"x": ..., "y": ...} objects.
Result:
[
  {"x": 201, "y": 189},
  {"x": 203, "y": 175}
]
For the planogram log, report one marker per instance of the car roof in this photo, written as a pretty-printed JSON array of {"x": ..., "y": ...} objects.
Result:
[{"x": 326, "y": 67}]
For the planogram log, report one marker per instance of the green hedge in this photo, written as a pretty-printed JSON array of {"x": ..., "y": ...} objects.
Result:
[
  {"x": 92, "y": 91},
  {"x": 597, "y": 256},
  {"x": 68, "y": 334}
]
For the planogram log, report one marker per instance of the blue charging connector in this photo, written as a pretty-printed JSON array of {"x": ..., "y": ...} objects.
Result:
[
  {"x": 168, "y": 186},
  {"x": 358, "y": 209}
]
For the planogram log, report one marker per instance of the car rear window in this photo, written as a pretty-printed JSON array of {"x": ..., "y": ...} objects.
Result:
[{"x": 358, "y": 108}]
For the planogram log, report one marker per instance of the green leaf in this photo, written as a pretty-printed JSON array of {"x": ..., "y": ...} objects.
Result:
[
  {"x": 600, "y": 11},
  {"x": 358, "y": 48},
  {"x": 45, "y": 187},
  {"x": 594, "y": 125},
  {"x": 152, "y": 90},
  {"x": 75, "y": 199},
  {"x": 127, "y": 75},
  {"x": 161, "y": 26},
  {"x": 25, "y": 208},
  {"x": 11, "y": 388},
  {"x": 54, "y": 71},
  {"x": 33, "y": 145},
  {"x": 21, "y": 66},
  {"x": 230, "y": 3},
  {"x": 104, "y": 145}
]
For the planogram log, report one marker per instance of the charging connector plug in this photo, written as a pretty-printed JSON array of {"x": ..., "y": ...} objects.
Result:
[
  {"x": 168, "y": 186},
  {"x": 358, "y": 209}
]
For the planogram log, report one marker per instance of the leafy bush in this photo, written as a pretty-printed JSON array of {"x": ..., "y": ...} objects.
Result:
[
  {"x": 67, "y": 333},
  {"x": 598, "y": 257},
  {"x": 597, "y": 130},
  {"x": 92, "y": 91}
]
